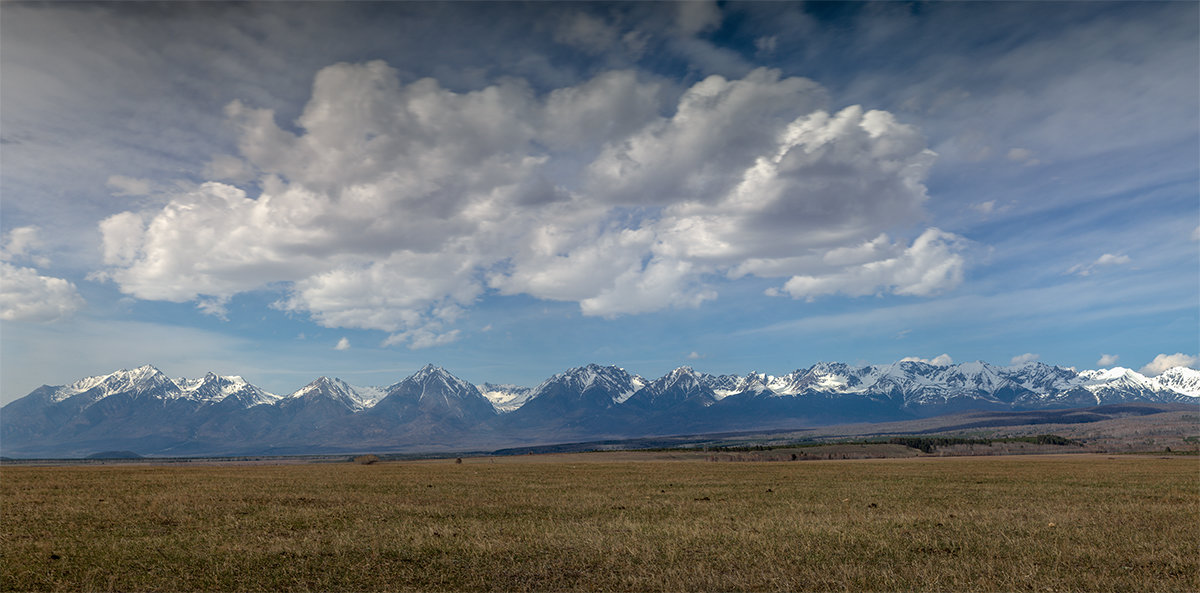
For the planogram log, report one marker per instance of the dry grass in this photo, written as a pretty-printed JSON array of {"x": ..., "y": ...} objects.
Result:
[{"x": 1076, "y": 523}]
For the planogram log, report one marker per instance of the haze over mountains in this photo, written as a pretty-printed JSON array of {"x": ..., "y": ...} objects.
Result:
[{"x": 145, "y": 411}]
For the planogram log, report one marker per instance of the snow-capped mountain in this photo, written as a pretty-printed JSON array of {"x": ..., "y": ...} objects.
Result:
[
  {"x": 143, "y": 380},
  {"x": 1183, "y": 381},
  {"x": 341, "y": 392},
  {"x": 505, "y": 397},
  {"x": 721, "y": 385},
  {"x": 214, "y": 388},
  {"x": 682, "y": 386},
  {"x": 147, "y": 381},
  {"x": 144, "y": 410},
  {"x": 434, "y": 393},
  {"x": 1122, "y": 384},
  {"x": 609, "y": 384}
]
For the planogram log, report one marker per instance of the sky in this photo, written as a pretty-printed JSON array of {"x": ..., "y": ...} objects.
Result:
[{"x": 287, "y": 190}]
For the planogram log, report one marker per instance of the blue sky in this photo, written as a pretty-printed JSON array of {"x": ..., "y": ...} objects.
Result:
[{"x": 285, "y": 190}]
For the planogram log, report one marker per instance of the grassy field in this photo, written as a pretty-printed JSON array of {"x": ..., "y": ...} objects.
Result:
[{"x": 604, "y": 523}]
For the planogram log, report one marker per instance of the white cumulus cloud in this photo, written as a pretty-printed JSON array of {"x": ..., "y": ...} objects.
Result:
[
  {"x": 26, "y": 295},
  {"x": 1024, "y": 358},
  {"x": 395, "y": 206},
  {"x": 932, "y": 264},
  {"x": 1163, "y": 362},
  {"x": 1107, "y": 360},
  {"x": 940, "y": 360},
  {"x": 342, "y": 344}
]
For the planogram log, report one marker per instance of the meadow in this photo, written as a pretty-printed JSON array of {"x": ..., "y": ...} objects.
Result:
[{"x": 608, "y": 522}]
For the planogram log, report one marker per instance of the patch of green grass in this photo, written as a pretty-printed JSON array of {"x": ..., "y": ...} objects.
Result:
[{"x": 981, "y": 524}]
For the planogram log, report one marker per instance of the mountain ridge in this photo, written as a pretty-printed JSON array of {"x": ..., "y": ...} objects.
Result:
[{"x": 142, "y": 409}]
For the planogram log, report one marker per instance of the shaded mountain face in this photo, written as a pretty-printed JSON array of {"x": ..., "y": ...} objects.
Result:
[
  {"x": 581, "y": 401},
  {"x": 681, "y": 387},
  {"x": 433, "y": 395},
  {"x": 144, "y": 411},
  {"x": 592, "y": 387}
]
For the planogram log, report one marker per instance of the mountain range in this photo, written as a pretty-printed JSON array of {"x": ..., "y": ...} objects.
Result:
[{"x": 144, "y": 410}]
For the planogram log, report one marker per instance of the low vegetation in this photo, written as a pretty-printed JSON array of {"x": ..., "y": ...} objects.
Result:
[
  {"x": 588, "y": 522},
  {"x": 929, "y": 444}
]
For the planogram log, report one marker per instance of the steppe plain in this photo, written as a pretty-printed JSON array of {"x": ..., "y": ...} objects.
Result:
[{"x": 610, "y": 521}]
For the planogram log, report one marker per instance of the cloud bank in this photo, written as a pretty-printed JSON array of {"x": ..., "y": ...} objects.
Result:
[{"x": 394, "y": 206}]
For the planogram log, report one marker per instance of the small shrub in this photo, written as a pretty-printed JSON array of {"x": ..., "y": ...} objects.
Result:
[{"x": 366, "y": 459}]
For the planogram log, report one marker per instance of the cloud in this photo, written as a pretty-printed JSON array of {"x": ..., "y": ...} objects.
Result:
[
  {"x": 766, "y": 44},
  {"x": 941, "y": 360},
  {"x": 1023, "y": 156},
  {"x": 22, "y": 242},
  {"x": 224, "y": 167},
  {"x": 128, "y": 186},
  {"x": 931, "y": 265},
  {"x": 698, "y": 16},
  {"x": 1196, "y": 233},
  {"x": 424, "y": 337},
  {"x": 1108, "y": 259},
  {"x": 395, "y": 206},
  {"x": 1107, "y": 360},
  {"x": 214, "y": 306},
  {"x": 1024, "y": 358},
  {"x": 586, "y": 32},
  {"x": 26, "y": 295},
  {"x": 989, "y": 207},
  {"x": 693, "y": 355},
  {"x": 1162, "y": 362},
  {"x": 342, "y": 344}
]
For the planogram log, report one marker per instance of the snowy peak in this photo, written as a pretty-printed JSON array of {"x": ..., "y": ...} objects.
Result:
[
  {"x": 213, "y": 388},
  {"x": 909, "y": 384},
  {"x": 1116, "y": 378},
  {"x": 681, "y": 378},
  {"x": 1121, "y": 384},
  {"x": 149, "y": 382},
  {"x": 837, "y": 377},
  {"x": 1181, "y": 380},
  {"x": 722, "y": 385},
  {"x": 339, "y": 391},
  {"x": 436, "y": 381},
  {"x": 1040, "y": 377},
  {"x": 432, "y": 392},
  {"x": 611, "y": 380},
  {"x": 142, "y": 381},
  {"x": 976, "y": 376},
  {"x": 679, "y": 386}
]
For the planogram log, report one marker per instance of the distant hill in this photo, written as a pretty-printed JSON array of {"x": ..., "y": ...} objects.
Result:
[{"x": 115, "y": 455}]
